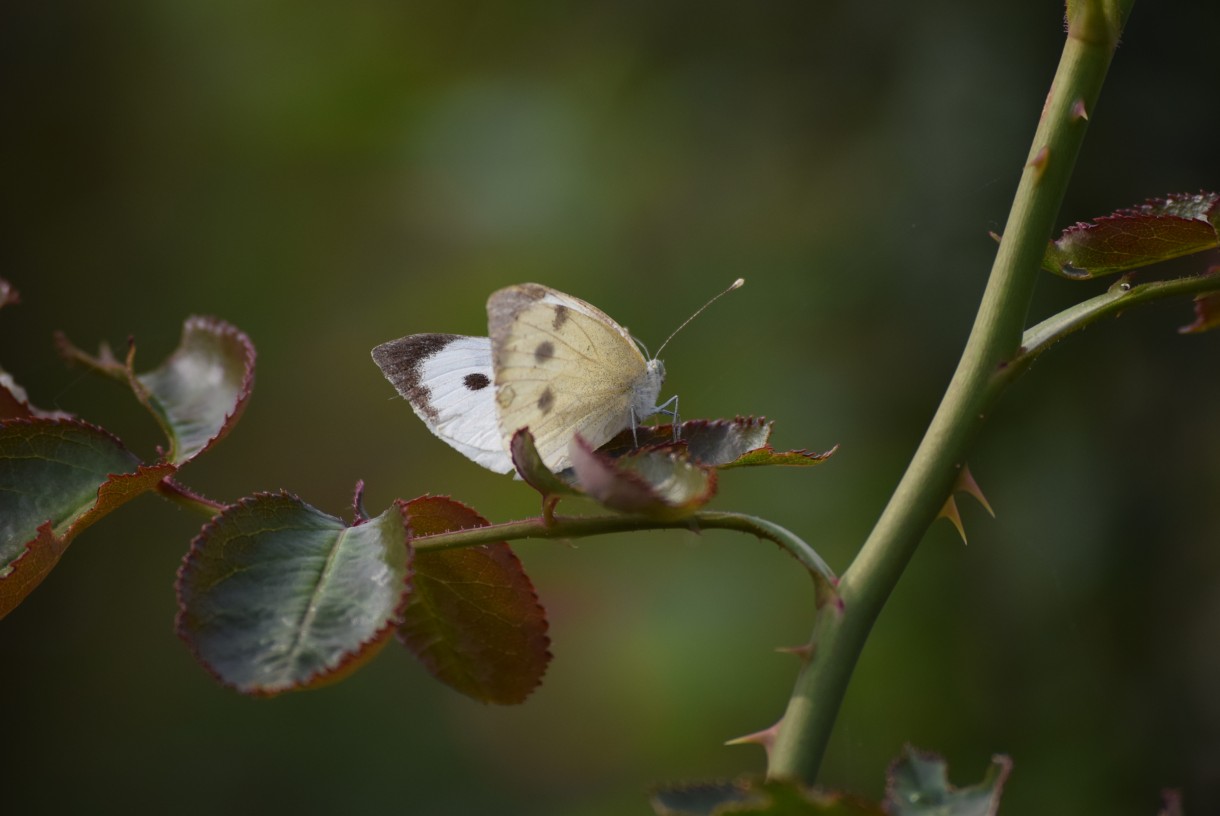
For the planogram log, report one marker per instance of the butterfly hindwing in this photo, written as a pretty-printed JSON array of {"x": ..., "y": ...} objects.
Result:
[
  {"x": 449, "y": 381},
  {"x": 562, "y": 366}
]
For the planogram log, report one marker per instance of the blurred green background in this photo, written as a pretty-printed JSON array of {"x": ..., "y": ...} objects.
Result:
[{"x": 332, "y": 175}]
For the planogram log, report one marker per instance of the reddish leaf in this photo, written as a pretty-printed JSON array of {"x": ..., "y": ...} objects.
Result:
[
  {"x": 661, "y": 482},
  {"x": 1155, "y": 231},
  {"x": 276, "y": 595},
  {"x": 56, "y": 478},
  {"x": 1173, "y": 803},
  {"x": 719, "y": 443},
  {"x": 198, "y": 393},
  {"x": 535, "y": 473},
  {"x": 769, "y": 456},
  {"x": 1207, "y": 311},
  {"x": 473, "y": 619},
  {"x": 21, "y": 575},
  {"x": 742, "y": 442},
  {"x": 13, "y": 402},
  {"x": 8, "y": 295}
]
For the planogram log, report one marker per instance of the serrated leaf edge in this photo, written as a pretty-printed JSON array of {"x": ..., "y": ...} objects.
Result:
[{"x": 319, "y": 678}]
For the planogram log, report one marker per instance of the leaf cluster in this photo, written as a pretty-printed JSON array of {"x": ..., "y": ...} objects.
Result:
[{"x": 277, "y": 595}]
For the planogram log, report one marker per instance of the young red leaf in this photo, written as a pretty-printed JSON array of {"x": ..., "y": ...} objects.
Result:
[
  {"x": 1155, "y": 231},
  {"x": 14, "y": 404},
  {"x": 13, "y": 401},
  {"x": 474, "y": 619},
  {"x": 1207, "y": 311},
  {"x": 56, "y": 478},
  {"x": 719, "y": 443},
  {"x": 198, "y": 393},
  {"x": 919, "y": 786},
  {"x": 275, "y": 595},
  {"x": 742, "y": 442},
  {"x": 658, "y": 482},
  {"x": 8, "y": 295},
  {"x": 535, "y": 473}
]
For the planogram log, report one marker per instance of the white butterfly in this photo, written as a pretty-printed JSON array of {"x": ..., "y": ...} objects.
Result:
[{"x": 553, "y": 363}]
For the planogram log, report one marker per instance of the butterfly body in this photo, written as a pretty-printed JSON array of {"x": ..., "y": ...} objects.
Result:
[{"x": 553, "y": 363}]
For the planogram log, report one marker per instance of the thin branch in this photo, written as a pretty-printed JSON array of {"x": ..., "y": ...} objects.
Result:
[
  {"x": 1119, "y": 298},
  {"x": 583, "y": 526}
]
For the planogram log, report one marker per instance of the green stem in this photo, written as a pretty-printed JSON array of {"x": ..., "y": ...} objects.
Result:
[
  {"x": 582, "y": 526},
  {"x": 1120, "y": 297},
  {"x": 837, "y": 640}
]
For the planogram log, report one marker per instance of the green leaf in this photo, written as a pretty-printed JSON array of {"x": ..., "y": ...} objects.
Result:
[
  {"x": 757, "y": 796},
  {"x": 919, "y": 786},
  {"x": 198, "y": 393},
  {"x": 57, "y": 477},
  {"x": 658, "y": 482},
  {"x": 1158, "y": 230},
  {"x": 276, "y": 595},
  {"x": 474, "y": 619}
]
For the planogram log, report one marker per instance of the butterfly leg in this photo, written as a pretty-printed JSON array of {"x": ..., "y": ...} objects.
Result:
[{"x": 672, "y": 413}]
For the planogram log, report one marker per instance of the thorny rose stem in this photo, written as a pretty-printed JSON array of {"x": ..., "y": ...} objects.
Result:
[{"x": 799, "y": 743}]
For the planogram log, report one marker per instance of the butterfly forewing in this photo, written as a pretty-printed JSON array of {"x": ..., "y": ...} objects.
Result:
[
  {"x": 562, "y": 366},
  {"x": 449, "y": 381}
]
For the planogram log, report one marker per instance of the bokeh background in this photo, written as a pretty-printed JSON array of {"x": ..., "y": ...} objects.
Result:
[{"x": 332, "y": 175}]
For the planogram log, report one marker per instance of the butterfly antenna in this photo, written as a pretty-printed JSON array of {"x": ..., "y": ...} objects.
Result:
[{"x": 737, "y": 284}]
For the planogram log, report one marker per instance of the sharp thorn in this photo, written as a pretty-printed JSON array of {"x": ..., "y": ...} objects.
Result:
[
  {"x": 1038, "y": 162},
  {"x": 765, "y": 738},
  {"x": 949, "y": 511},
  {"x": 966, "y": 484},
  {"x": 805, "y": 653}
]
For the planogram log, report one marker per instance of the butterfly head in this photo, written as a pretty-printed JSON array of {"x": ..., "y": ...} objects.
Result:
[
  {"x": 648, "y": 389},
  {"x": 656, "y": 371}
]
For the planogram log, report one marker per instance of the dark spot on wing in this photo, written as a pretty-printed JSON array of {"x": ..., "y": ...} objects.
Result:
[
  {"x": 546, "y": 401},
  {"x": 476, "y": 381},
  {"x": 561, "y": 317},
  {"x": 401, "y": 361},
  {"x": 544, "y": 352}
]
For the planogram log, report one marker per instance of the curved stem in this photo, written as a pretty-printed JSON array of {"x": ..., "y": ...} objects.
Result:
[
  {"x": 837, "y": 640},
  {"x": 582, "y": 526},
  {"x": 1120, "y": 297}
]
